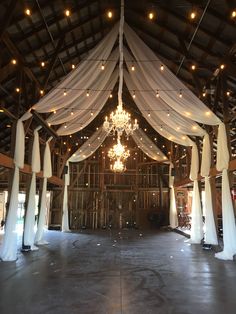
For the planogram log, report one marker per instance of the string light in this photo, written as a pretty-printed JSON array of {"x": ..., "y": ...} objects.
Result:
[
  {"x": 41, "y": 91},
  {"x": 161, "y": 128},
  {"x": 233, "y": 14},
  {"x": 65, "y": 126},
  {"x": 111, "y": 95},
  {"x": 228, "y": 93},
  {"x": 149, "y": 114},
  {"x": 91, "y": 113},
  {"x": 157, "y": 94},
  {"x": 133, "y": 94},
  {"x": 102, "y": 66},
  {"x": 65, "y": 93},
  {"x": 180, "y": 93},
  {"x": 27, "y": 12},
  {"x": 17, "y": 89},
  {"x": 151, "y": 15},
  {"x": 193, "y": 67},
  {"x": 72, "y": 66},
  {"x": 222, "y": 66},
  {"x": 193, "y": 15},
  {"x": 204, "y": 94},
  {"x": 42, "y": 64},
  {"x": 168, "y": 113},
  {"x": 54, "y": 111},
  {"x": 162, "y": 67},
  {"x": 13, "y": 61},
  {"x": 72, "y": 112},
  {"x": 87, "y": 94},
  {"x": 132, "y": 68},
  {"x": 67, "y": 12},
  {"x": 109, "y": 14}
]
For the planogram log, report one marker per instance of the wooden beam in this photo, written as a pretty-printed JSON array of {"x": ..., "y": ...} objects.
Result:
[
  {"x": 7, "y": 162},
  {"x": 15, "y": 52},
  {"x": 43, "y": 123},
  {"x": 8, "y": 17},
  {"x": 53, "y": 61},
  {"x": 213, "y": 173}
]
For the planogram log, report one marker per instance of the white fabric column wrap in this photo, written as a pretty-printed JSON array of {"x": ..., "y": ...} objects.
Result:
[
  {"x": 229, "y": 227},
  {"x": 197, "y": 224},
  {"x": 47, "y": 173},
  {"x": 65, "y": 218},
  {"x": 31, "y": 206},
  {"x": 173, "y": 217},
  {"x": 210, "y": 226},
  {"x": 9, "y": 246}
]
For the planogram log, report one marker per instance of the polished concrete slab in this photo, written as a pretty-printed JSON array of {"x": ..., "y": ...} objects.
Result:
[{"x": 131, "y": 272}]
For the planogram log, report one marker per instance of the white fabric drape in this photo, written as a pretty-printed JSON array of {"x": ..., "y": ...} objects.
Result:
[
  {"x": 90, "y": 146},
  {"x": 147, "y": 146},
  {"x": 9, "y": 246},
  {"x": 86, "y": 74},
  {"x": 196, "y": 234},
  {"x": 189, "y": 105},
  {"x": 210, "y": 226},
  {"x": 173, "y": 216},
  {"x": 65, "y": 215},
  {"x": 47, "y": 173},
  {"x": 228, "y": 218},
  {"x": 31, "y": 206}
]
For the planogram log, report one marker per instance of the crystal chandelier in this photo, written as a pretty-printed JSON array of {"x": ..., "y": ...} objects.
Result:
[
  {"x": 120, "y": 121},
  {"x": 118, "y": 166},
  {"x": 118, "y": 151}
]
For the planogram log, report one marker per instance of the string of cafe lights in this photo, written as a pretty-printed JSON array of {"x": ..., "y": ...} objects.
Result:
[{"x": 151, "y": 15}]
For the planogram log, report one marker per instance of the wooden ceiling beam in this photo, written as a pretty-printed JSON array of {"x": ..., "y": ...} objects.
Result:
[
  {"x": 8, "y": 162},
  {"x": 15, "y": 52},
  {"x": 53, "y": 61},
  {"x": 8, "y": 17}
]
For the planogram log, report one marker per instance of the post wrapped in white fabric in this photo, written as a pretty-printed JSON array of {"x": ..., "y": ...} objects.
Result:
[
  {"x": 65, "y": 215},
  {"x": 173, "y": 215},
  {"x": 28, "y": 236},
  {"x": 210, "y": 226},
  {"x": 196, "y": 234},
  {"x": 228, "y": 218},
  {"x": 9, "y": 245},
  {"x": 47, "y": 173}
]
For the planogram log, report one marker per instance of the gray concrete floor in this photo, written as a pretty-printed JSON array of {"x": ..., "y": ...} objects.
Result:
[{"x": 107, "y": 272}]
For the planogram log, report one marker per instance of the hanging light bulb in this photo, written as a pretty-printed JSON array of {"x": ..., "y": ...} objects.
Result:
[
  {"x": 27, "y": 12},
  {"x": 193, "y": 67},
  {"x": 72, "y": 112},
  {"x": 42, "y": 64},
  {"x": 17, "y": 89},
  {"x": 233, "y": 14},
  {"x": 180, "y": 93},
  {"x": 65, "y": 125},
  {"x": 161, "y": 128},
  {"x": 87, "y": 93},
  {"x": 204, "y": 94},
  {"x": 41, "y": 91},
  {"x": 110, "y": 95},
  {"x": 157, "y": 94},
  {"x": 13, "y": 61},
  {"x": 149, "y": 114},
  {"x": 132, "y": 67},
  {"x": 222, "y": 66},
  {"x": 151, "y": 15},
  {"x": 102, "y": 66},
  {"x": 162, "y": 67},
  {"x": 67, "y": 12},
  {"x": 168, "y": 113},
  {"x": 64, "y": 93},
  {"x": 91, "y": 113},
  {"x": 109, "y": 14},
  {"x": 72, "y": 66},
  {"x": 133, "y": 94},
  {"x": 193, "y": 14}
]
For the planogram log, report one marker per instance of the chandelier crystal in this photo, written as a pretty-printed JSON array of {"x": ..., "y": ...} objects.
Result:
[
  {"x": 119, "y": 122},
  {"x": 118, "y": 166},
  {"x": 118, "y": 151}
]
